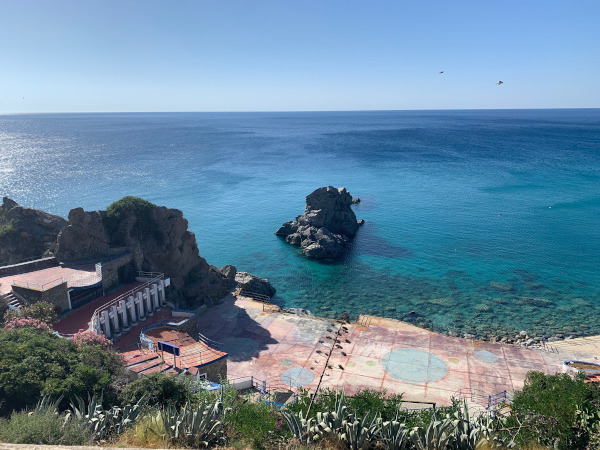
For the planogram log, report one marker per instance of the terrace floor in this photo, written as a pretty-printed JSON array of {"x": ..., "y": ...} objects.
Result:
[
  {"x": 45, "y": 276},
  {"x": 387, "y": 354}
]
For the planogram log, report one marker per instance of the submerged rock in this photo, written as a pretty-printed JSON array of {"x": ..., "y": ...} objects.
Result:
[
  {"x": 326, "y": 227},
  {"x": 26, "y": 232}
]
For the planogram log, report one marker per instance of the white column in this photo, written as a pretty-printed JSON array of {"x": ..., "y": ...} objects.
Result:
[
  {"x": 139, "y": 301},
  {"x": 154, "y": 296},
  {"x": 148, "y": 302},
  {"x": 114, "y": 317},
  {"x": 132, "y": 310},
  {"x": 105, "y": 321},
  {"x": 161, "y": 293},
  {"x": 122, "y": 310}
]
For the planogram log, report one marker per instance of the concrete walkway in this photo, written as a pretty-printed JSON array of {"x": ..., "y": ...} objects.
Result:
[
  {"x": 589, "y": 345},
  {"x": 380, "y": 354}
]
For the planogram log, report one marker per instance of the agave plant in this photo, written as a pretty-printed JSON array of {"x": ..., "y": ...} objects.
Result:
[
  {"x": 332, "y": 421},
  {"x": 198, "y": 426},
  {"x": 435, "y": 437},
  {"x": 395, "y": 435},
  {"x": 470, "y": 434},
  {"x": 45, "y": 403},
  {"x": 301, "y": 427},
  {"x": 359, "y": 433},
  {"x": 103, "y": 423}
]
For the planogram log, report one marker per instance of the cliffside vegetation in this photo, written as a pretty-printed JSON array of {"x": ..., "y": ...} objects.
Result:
[{"x": 141, "y": 209}]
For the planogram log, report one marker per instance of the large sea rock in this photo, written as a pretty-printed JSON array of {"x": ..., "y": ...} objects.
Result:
[
  {"x": 254, "y": 285},
  {"x": 166, "y": 245},
  {"x": 326, "y": 227},
  {"x": 26, "y": 232}
]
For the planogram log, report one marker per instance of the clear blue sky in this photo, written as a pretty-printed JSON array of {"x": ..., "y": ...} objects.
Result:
[{"x": 257, "y": 55}]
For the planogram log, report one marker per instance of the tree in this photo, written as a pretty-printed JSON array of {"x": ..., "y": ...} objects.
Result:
[
  {"x": 35, "y": 362},
  {"x": 161, "y": 389}
]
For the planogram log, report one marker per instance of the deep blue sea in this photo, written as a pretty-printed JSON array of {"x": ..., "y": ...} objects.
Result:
[{"x": 475, "y": 220}]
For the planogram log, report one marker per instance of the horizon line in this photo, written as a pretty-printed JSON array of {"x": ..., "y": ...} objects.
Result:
[{"x": 295, "y": 111}]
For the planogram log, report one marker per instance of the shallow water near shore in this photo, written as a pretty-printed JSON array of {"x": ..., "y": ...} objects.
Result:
[{"x": 475, "y": 220}]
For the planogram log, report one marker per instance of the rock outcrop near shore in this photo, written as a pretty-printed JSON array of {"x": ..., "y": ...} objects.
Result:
[
  {"x": 252, "y": 284},
  {"x": 159, "y": 240},
  {"x": 326, "y": 227},
  {"x": 26, "y": 232}
]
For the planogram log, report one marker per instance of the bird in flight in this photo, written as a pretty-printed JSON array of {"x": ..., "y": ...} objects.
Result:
[
  {"x": 499, "y": 83},
  {"x": 441, "y": 72}
]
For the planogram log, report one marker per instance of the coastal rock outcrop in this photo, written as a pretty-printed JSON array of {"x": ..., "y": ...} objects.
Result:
[
  {"x": 159, "y": 240},
  {"x": 26, "y": 232},
  {"x": 327, "y": 225},
  {"x": 254, "y": 285}
]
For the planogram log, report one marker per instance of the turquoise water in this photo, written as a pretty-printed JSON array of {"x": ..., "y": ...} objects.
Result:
[{"x": 475, "y": 220}]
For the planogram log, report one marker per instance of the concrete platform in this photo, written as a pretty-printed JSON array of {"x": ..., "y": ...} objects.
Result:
[
  {"x": 384, "y": 354},
  {"x": 45, "y": 277}
]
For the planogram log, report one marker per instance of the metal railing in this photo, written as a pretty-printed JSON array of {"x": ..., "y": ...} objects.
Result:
[
  {"x": 490, "y": 402},
  {"x": 116, "y": 300},
  {"x": 76, "y": 280},
  {"x": 37, "y": 286},
  {"x": 255, "y": 296}
]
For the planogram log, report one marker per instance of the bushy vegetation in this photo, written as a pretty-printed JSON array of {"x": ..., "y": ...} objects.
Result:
[
  {"x": 42, "y": 311},
  {"x": 556, "y": 410},
  {"x": 160, "y": 389},
  {"x": 7, "y": 229},
  {"x": 141, "y": 209},
  {"x": 35, "y": 362},
  {"x": 44, "y": 427},
  {"x": 59, "y": 391}
]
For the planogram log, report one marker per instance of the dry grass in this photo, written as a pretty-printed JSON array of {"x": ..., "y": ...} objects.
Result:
[{"x": 148, "y": 432}]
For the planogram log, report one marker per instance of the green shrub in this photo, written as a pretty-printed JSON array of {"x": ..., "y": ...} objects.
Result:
[
  {"x": 7, "y": 230},
  {"x": 254, "y": 423},
  {"x": 43, "y": 311},
  {"x": 363, "y": 402},
  {"x": 161, "y": 390},
  {"x": 142, "y": 209},
  {"x": 549, "y": 408},
  {"x": 44, "y": 427},
  {"x": 36, "y": 362}
]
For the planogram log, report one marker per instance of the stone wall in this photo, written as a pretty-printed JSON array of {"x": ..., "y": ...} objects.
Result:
[
  {"x": 216, "y": 371},
  {"x": 29, "y": 266},
  {"x": 110, "y": 272},
  {"x": 57, "y": 296},
  {"x": 190, "y": 326}
]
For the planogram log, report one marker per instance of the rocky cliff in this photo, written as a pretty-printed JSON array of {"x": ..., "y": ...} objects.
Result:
[
  {"x": 25, "y": 232},
  {"x": 326, "y": 227},
  {"x": 159, "y": 240}
]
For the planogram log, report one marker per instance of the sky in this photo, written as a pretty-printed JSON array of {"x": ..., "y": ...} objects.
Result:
[{"x": 284, "y": 55}]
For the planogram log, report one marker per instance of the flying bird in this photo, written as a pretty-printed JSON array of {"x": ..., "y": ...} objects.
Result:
[
  {"x": 499, "y": 83},
  {"x": 441, "y": 72}
]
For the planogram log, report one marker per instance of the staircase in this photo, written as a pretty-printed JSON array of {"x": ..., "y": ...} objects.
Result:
[{"x": 13, "y": 301}]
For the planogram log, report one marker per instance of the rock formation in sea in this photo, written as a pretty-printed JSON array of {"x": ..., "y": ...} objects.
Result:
[
  {"x": 159, "y": 241},
  {"x": 254, "y": 285},
  {"x": 326, "y": 227},
  {"x": 26, "y": 232}
]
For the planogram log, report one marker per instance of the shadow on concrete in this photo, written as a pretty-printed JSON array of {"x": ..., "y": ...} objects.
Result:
[{"x": 243, "y": 338}]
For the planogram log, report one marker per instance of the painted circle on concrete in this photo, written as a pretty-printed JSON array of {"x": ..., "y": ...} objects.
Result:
[
  {"x": 239, "y": 349},
  {"x": 414, "y": 366},
  {"x": 485, "y": 356},
  {"x": 297, "y": 376}
]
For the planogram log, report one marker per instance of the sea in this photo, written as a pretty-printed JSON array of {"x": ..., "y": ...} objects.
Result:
[{"x": 476, "y": 221}]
